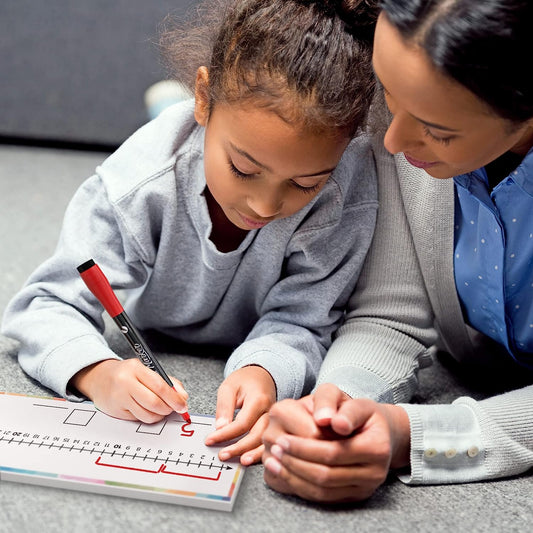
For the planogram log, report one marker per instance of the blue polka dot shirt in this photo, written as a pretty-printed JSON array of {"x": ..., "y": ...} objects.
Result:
[{"x": 494, "y": 256}]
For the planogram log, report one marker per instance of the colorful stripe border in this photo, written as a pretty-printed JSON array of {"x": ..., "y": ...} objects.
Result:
[{"x": 64, "y": 477}]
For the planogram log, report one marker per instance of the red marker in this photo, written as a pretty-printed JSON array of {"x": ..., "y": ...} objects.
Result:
[{"x": 99, "y": 285}]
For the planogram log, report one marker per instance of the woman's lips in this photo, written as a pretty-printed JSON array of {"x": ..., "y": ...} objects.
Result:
[{"x": 419, "y": 164}]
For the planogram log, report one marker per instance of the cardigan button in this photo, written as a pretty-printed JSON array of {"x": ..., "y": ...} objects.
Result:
[
  {"x": 472, "y": 451},
  {"x": 430, "y": 453},
  {"x": 452, "y": 452}
]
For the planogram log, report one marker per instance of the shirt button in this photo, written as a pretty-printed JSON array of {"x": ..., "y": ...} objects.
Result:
[
  {"x": 430, "y": 452},
  {"x": 452, "y": 452},
  {"x": 472, "y": 451}
]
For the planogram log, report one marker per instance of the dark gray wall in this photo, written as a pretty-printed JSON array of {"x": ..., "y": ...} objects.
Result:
[{"x": 76, "y": 71}]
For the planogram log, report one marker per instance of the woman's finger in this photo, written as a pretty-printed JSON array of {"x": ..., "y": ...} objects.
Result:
[
  {"x": 279, "y": 478},
  {"x": 293, "y": 416},
  {"x": 327, "y": 399}
]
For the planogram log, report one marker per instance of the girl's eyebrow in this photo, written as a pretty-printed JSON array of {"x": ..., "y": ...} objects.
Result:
[
  {"x": 249, "y": 157},
  {"x": 268, "y": 169}
]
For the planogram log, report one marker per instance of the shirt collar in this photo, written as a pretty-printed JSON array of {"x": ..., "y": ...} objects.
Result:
[{"x": 522, "y": 175}]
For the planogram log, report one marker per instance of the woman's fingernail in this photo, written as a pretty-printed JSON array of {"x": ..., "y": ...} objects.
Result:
[
  {"x": 273, "y": 465},
  {"x": 208, "y": 441},
  {"x": 276, "y": 451},
  {"x": 283, "y": 443},
  {"x": 348, "y": 422},
  {"x": 324, "y": 414},
  {"x": 221, "y": 422}
]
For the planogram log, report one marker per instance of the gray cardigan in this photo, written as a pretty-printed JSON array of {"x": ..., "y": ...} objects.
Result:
[
  {"x": 405, "y": 305},
  {"x": 276, "y": 300}
]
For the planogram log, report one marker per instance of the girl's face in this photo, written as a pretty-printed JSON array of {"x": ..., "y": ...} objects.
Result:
[
  {"x": 437, "y": 123},
  {"x": 258, "y": 168}
]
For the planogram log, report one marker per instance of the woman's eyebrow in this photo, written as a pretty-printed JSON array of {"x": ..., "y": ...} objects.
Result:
[
  {"x": 425, "y": 122},
  {"x": 433, "y": 125}
]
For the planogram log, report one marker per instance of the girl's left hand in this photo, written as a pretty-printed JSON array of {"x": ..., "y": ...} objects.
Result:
[{"x": 252, "y": 390}]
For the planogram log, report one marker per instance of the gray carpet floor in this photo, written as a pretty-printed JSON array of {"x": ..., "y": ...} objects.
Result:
[{"x": 35, "y": 186}]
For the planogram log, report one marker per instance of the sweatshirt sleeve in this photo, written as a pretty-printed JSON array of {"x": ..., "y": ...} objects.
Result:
[
  {"x": 55, "y": 318},
  {"x": 471, "y": 440},
  {"x": 323, "y": 260}
]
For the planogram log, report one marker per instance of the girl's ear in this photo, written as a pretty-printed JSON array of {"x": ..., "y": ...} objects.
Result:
[{"x": 201, "y": 96}]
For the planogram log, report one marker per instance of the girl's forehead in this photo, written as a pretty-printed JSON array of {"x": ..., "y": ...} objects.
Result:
[{"x": 265, "y": 137}]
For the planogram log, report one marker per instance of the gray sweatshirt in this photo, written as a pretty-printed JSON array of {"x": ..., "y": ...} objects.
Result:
[{"x": 143, "y": 218}]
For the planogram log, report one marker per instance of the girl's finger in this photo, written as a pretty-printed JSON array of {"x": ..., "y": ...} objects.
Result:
[
  {"x": 143, "y": 414},
  {"x": 246, "y": 418},
  {"x": 249, "y": 442},
  {"x": 252, "y": 456},
  {"x": 226, "y": 404},
  {"x": 170, "y": 396}
]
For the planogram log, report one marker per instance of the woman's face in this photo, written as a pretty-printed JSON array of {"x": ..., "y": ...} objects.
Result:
[{"x": 437, "y": 123}]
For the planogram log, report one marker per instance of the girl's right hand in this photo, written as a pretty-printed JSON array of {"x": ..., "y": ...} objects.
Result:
[{"x": 129, "y": 390}]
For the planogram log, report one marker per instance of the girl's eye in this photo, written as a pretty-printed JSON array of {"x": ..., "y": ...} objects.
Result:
[
  {"x": 236, "y": 172},
  {"x": 443, "y": 140},
  {"x": 307, "y": 190},
  {"x": 243, "y": 176}
]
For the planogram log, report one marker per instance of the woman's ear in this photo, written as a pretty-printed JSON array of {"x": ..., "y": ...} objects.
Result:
[{"x": 201, "y": 96}]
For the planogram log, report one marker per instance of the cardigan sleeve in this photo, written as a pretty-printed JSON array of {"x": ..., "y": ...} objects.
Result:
[
  {"x": 471, "y": 440},
  {"x": 387, "y": 338},
  {"x": 388, "y": 332}
]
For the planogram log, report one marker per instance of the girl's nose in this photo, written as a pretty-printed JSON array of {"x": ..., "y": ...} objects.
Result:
[
  {"x": 266, "y": 205},
  {"x": 403, "y": 134}
]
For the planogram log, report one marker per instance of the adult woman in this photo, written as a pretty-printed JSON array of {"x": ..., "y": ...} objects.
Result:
[{"x": 450, "y": 264}]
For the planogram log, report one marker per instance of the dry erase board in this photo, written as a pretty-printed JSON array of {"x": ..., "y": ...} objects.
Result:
[{"x": 51, "y": 441}]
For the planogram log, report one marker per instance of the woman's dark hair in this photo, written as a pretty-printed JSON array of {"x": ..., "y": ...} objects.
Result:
[
  {"x": 484, "y": 45},
  {"x": 308, "y": 60}
]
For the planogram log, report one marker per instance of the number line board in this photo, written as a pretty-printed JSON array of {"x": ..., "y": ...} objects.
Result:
[{"x": 55, "y": 442}]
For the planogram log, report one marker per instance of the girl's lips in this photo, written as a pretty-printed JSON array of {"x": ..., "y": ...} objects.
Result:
[
  {"x": 251, "y": 223},
  {"x": 419, "y": 164}
]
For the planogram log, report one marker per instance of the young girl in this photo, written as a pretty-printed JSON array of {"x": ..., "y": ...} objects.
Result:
[{"x": 232, "y": 219}]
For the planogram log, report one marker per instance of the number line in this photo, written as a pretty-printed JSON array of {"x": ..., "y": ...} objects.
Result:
[{"x": 124, "y": 455}]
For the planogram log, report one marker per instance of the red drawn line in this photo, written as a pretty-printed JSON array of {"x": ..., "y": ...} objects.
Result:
[
  {"x": 164, "y": 471},
  {"x": 161, "y": 470},
  {"x": 129, "y": 467}
]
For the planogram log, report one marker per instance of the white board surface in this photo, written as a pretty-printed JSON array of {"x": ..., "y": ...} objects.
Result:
[{"x": 51, "y": 441}]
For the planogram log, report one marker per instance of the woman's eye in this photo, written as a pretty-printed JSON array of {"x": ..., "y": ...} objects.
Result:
[{"x": 443, "y": 140}]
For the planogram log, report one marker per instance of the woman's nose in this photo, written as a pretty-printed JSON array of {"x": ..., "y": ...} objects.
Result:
[{"x": 404, "y": 133}]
